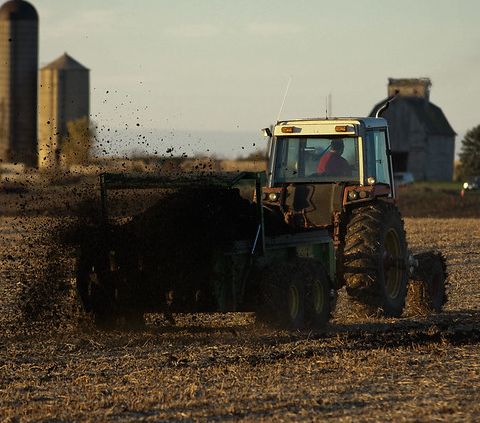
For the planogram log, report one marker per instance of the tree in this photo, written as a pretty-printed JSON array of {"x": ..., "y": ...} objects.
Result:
[
  {"x": 77, "y": 145},
  {"x": 470, "y": 154}
]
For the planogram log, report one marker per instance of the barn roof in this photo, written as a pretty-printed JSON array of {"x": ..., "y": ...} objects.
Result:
[{"x": 427, "y": 113}]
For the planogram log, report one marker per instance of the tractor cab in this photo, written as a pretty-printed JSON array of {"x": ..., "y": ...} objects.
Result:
[{"x": 322, "y": 167}]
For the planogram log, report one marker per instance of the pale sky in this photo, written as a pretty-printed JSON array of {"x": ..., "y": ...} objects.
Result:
[{"x": 208, "y": 74}]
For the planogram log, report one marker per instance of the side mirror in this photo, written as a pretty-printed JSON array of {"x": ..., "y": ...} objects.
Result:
[{"x": 267, "y": 132}]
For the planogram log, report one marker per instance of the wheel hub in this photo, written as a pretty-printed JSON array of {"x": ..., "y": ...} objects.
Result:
[
  {"x": 318, "y": 298},
  {"x": 293, "y": 301}
]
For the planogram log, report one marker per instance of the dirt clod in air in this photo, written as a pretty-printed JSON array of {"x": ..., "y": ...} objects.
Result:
[{"x": 45, "y": 292}]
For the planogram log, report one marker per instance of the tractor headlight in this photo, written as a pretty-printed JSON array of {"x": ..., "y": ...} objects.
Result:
[
  {"x": 273, "y": 196},
  {"x": 353, "y": 195},
  {"x": 465, "y": 185}
]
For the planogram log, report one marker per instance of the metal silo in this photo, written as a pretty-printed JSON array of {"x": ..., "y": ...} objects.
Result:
[
  {"x": 18, "y": 82},
  {"x": 64, "y": 97}
]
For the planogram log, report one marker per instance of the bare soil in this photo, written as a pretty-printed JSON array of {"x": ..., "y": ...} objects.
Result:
[{"x": 226, "y": 367}]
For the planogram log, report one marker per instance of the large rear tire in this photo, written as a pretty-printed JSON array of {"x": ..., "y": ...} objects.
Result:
[
  {"x": 427, "y": 291},
  {"x": 375, "y": 258}
]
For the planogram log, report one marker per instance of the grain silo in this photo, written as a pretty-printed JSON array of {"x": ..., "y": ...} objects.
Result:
[
  {"x": 18, "y": 82},
  {"x": 64, "y": 97}
]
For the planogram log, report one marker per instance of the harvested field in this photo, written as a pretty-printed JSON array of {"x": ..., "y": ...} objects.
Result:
[
  {"x": 422, "y": 200},
  {"x": 225, "y": 367}
]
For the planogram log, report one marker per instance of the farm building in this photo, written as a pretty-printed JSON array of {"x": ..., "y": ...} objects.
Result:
[{"x": 422, "y": 140}]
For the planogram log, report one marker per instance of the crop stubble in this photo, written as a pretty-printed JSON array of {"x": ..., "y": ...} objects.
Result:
[{"x": 225, "y": 367}]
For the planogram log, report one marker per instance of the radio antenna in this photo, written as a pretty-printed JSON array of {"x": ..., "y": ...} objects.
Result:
[
  {"x": 328, "y": 106},
  {"x": 284, "y": 97}
]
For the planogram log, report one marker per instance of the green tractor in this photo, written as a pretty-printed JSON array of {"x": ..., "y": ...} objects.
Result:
[
  {"x": 322, "y": 218},
  {"x": 336, "y": 174}
]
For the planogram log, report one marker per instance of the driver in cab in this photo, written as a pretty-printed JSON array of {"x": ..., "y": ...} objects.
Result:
[{"x": 332, "y": 163}]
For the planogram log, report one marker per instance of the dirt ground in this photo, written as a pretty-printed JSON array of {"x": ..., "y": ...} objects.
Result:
[{"x": 225, "y": 367}]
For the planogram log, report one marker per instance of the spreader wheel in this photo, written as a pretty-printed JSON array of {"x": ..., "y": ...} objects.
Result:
[
  {"x": 282, "y": 297},
  {"x": 320, "y": 298},
  {"x": 95, "y": 295},
  {"x": 295, "y": 295}
]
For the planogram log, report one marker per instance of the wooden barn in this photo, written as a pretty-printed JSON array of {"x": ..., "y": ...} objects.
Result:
[{"x": 423, "y": 142}]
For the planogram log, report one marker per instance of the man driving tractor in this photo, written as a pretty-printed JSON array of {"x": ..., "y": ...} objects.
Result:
[{"x": 332, "y": 163}]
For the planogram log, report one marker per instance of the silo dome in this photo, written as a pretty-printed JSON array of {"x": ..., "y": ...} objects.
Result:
[{"x": 18, "y": 10}]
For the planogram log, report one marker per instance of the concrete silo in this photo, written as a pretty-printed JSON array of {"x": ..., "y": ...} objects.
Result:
[
  {"x": 18, "y": 82},
  {"x": 64, "y": 97}
]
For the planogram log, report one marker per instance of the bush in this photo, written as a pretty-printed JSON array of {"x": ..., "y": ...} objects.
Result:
[{"x": 77, "y": 145}]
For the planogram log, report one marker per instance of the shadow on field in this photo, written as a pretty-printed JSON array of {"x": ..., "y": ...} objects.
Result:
[
  {"x": 269, "y": 410},
  {"x": 255, "y": 345},
  {"x": 460, "y": 327},
  {"x": 200, "y": 330}
]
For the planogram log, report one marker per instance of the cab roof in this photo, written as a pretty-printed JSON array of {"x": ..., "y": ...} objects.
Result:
[
  {"x": 369, "y": 122},
  {"x": 336, "y": 126}
]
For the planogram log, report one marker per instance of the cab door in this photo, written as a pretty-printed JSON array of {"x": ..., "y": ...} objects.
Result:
[{"x": 378, "y": 160}]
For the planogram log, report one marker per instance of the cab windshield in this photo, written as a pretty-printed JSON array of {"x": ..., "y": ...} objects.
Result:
[{"x": 317, "y": 159}]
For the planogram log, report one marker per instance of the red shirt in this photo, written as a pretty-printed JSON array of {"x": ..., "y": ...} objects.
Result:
[{"x": 332, "y": 164}]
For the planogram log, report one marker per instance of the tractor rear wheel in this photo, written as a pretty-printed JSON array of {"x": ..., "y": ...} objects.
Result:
[
  {"x": 427, "y": 289},
  {"x": 375, "y": 257}
]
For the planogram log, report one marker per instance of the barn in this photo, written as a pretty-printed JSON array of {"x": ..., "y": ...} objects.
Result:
[{"x": 422, "y": 140}]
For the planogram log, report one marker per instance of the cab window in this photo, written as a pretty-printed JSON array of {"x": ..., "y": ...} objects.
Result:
[{"x": 298, "y": 159}]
